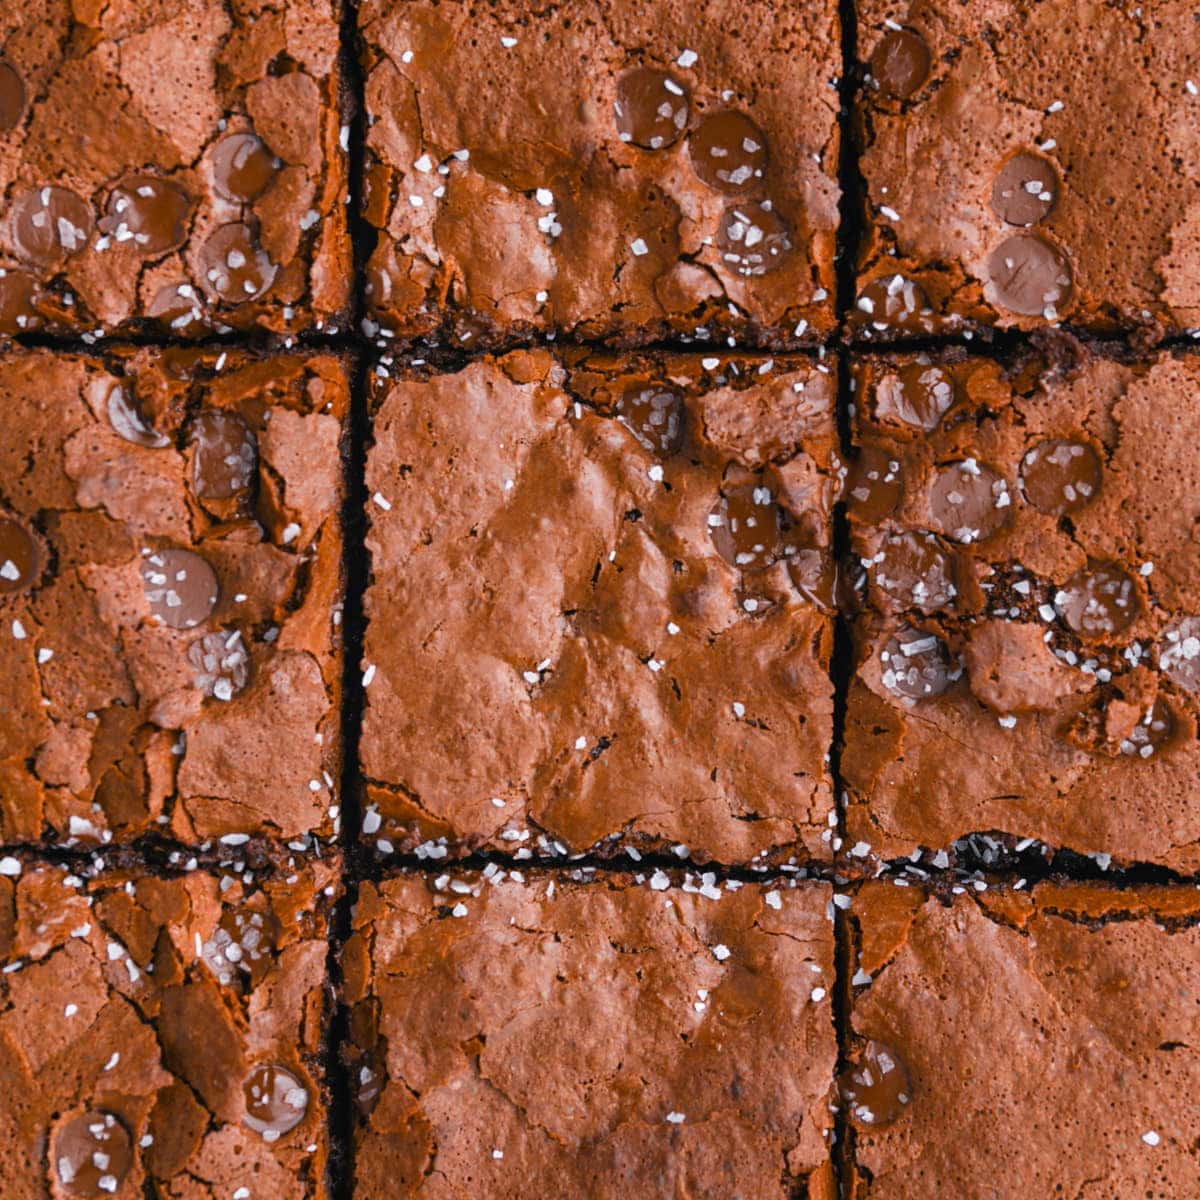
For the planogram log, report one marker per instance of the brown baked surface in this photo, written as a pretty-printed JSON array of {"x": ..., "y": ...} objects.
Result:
[
  {"x": 507, "y": 203},
  {"x": 559, "y": 657},
  {"x": 1040, "y": 717},
  {"x": 964, "y": 105},
  {"x": 599, "y": 1037},
  {"x": 123, "y": 1009},
  {"x": 173, "y": 168},
  {"x": 130, "y": 704}
]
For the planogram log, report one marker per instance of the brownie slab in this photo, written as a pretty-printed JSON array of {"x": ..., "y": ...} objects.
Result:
[
  {"x": 599, "y": 613},
  {"x": 1009, "y": 1045},
  {"x": 612, "y": 171},
  {"x": 170, "y": 594},
  {"x": 1027, "y": 165},
  {"x": 162, "y": 1034},
  {"x": 172, "y": 168},
  {"x": 1027, "y": 657},
  {"x": 589, "y": 1038}
]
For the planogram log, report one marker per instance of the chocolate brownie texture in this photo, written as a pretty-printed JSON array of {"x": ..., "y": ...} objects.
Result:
[
  {"x": 1027, "y": 657},
  {"x": 601, "y": 1037},
  {"x": 173, "y": 168},
  {"x": 162, "y": 1034},
  {"x": 170, "y": 595},
  {"x": 1029, "y": 163},
  {"x": 600, "y": 607},
  {"x": 611, "y": 170},
  {"x": 1007, "y": 1044}
]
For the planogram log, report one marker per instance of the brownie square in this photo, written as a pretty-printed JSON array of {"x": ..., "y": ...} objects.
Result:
[
  {"x": 1027, "y": 657},
  {"x": 591, "y": 1038},
  {"x": 163, "y": 1033},
  {"x": 621, "y": 172},
  {"x": 1011, "y": 1045},
  {"x": 1029, "y": 164},
  {"x": 599, "y": 614},
  {"x": 172, "y": 168},
  {"x": 170, "y": 594}
]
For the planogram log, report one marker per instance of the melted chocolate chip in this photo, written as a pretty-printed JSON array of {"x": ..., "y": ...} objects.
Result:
[
  {"x": 876, "y": 1086},
  {"x": 181, "y": 588},
  {"x": 49, "y": 225},
  {"x": 243, "y": 944},
  {"x": 651, "y": 108},
  {"x": 19, "y": 557},
  {"x": 17, "y": 291},
  {"x": 150, "y": 212},
  {"x": 1060, "y": 477},
  {"x": 1025, "y": 191},
  {"x": 225, "y": 453},
  {"x": 745, "y": 527},
  {"x": 179, "y": 307},
  {"x": 874, "y": 487},
  {"x": 728, "y": 152},
  {"x": 1151, "y": 733},
  {"x": 242, "y": 167},
  {"x": 917, "y": 395},
  {"x": 1099, "y": 601},
  {"x": 815, "y": 576},
  {"x": 893, "y": 302},
  {"x": 276, "y": 1101},
  {"x": 221, "y": 662},
  {"x": 127, "y": 421},
  {"x": 901, "y": 63},
  {"x": 92, "y": 1154},
  {"x": 914, "y": 572},
  {"x": 654, "y": 415},
  {"x": 969, "y": 502},
  {"x": 917, "y": 665},
  {"x": 12, "y": 97},
  {"x": 1029, "y": 276},
  {"x": 1179, "y": 653},
  {"x": 234, "y": 268},
  {"x": 752, "y": 237}
]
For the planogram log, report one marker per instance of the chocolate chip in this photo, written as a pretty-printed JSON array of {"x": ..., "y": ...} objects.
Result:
[
  {"x": 892, "y": 302},
  {"x": 914, "y": 571},
  {"x": 1179, "y": 653},
  {"x": 181, "y": 587},
  {"x": 1098, "y": 601},
  {"x": 1151, "y": 732},
  {"x": 224, "y": 454},
  {"x": 12, "y": 97},
  {"x": 49, "y": 225},
  {"x": 1029, "y": 276},
  {"x": 243, "y": 944},
  {"x": 815, "y": 576},
  {"x": 179, "y": 307},
  {"x": 20, "y": 557},
  {"x": 901, "y": 63},
  {"x": 917, "y": 665},
  {"x": 92, "y": 1154},
  {"x": 17, "y": 292},
  {"x": 242, "y": 167},
  {"x": 221, "y": 662},
  {"x": 654, "y": 415},
  {"x": 917, "y": 395},
  {"x": 752, "y": 238},
  {"x": 150, "y": 212},
  {"x": 874, "y": 485},
  {"x": 651, "y": 108},
  {"x": 234, "y": 268},
  {"x": 1025, "y": 190},
  {"x": 128, "y": 423},
  {"x": 745, "y": 527},
  {"x": 276, "y": 1101},
  {"x": 728, "y": 152},
  {"x": 969, "y": 502},
  {"x": 876, "y": 1087},
  {"x": 1060, "y": 477}
]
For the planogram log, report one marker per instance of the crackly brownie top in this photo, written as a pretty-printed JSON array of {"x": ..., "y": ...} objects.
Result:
[
  {"x": 608, "y": 169},
  {"x": 1028, "y": 163},
  {"x": 595, "y": 1036},
  {"x": 163, "y": 1032},
  {"x": 600, "y": 605},
  {"x": 170, "y": 592},
  {"x": 171, "y": 165},
  {"x": 1014, "y": 1045}
]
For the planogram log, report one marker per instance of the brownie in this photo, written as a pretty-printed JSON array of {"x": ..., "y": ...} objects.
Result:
[
  {"x": 600, "y": 606},
  {"x": 1028, "y": 164},
  {"x": 170, "y": 594},
  {"x": 609, "y": 171},
  {"x": 1027, "y": 661},
  {"x": 174, "y": 168},
  {"x": 163, "y": 1033},
  {"x": 584, "y": 1037},
  {"x": 1008, "y": 1045}
]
